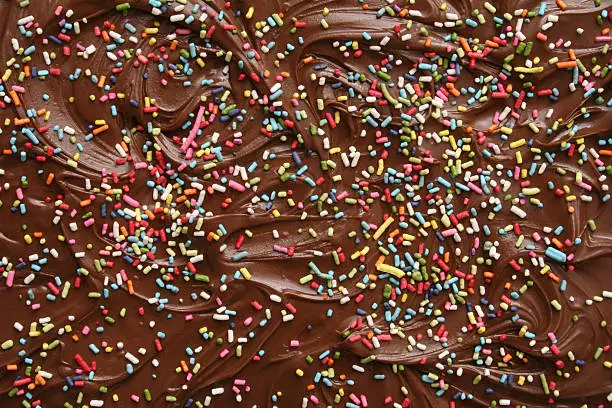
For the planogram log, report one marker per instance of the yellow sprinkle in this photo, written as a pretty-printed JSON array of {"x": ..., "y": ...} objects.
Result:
[
  {"x": 245, "y": 272},
  {"x": 518, "y": 143},
  {"x": 391, "y": 270},
  {"x": 377, "y": 234}
]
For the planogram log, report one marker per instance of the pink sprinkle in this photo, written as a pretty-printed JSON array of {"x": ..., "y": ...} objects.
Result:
[
  {"x": 584, "y": 185},
  {"x": 342, "y": 195},
  {"x": 194, "y": 129},
  {"x": 10, "y": 278},
  {"x": 236, "y": 186},
  {"x": 130, "y": 201},
  {"x": 449, "y": 232},
  {"x": 224, "y": 353}
]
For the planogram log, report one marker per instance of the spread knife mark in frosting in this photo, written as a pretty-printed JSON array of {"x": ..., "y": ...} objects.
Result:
[{"x": 305, "y": 203}]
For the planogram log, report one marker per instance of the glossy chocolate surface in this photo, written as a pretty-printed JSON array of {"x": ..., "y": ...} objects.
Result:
[{"x": 312, "y": 203}]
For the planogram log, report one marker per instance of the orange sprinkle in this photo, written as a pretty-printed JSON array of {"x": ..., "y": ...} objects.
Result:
[
  {"x": 605, "y": 152},
  {"x": 50, "y": 178},
  {"x": 11, "y": 367},
  {"x": 85, "y": 203},
  {"x": 21, "y": 122},
  {"x": 561, "y": 5},
  {"x": 557, "y": 243},
  {"x": 15, "y": 98},
  {"x": 101, "y": 81},
  {"x": 566, "y": 64},
  {"x": 100, "y": 129},
  {"x": 572, "y": 54},
  {"x": 39, "y": 380},
  {"x": 380, "y": 260},
  {"x": 130, "y": 287}
]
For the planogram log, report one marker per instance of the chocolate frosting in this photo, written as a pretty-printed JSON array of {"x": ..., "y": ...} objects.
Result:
[{"x": 305, "y": 203}]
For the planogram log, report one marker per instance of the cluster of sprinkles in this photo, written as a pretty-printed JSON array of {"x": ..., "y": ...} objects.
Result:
[{"x": 438, "y": 217}]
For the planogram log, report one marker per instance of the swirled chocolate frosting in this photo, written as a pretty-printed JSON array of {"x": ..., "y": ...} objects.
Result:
[{"x": 347, "y": 203}]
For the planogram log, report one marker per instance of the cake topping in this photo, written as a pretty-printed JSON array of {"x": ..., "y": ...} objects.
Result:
[{"x": 305, "y": 204}]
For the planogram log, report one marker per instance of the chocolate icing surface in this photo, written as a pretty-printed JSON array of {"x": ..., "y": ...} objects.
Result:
[{"x": 305, "y": 203}]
